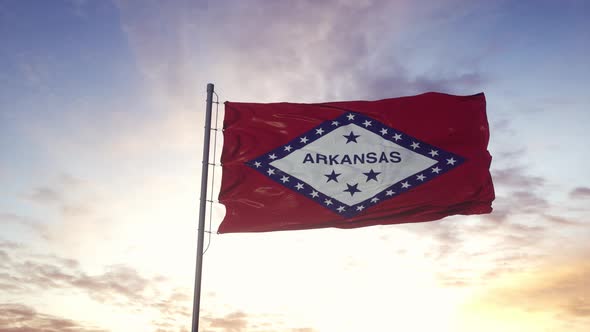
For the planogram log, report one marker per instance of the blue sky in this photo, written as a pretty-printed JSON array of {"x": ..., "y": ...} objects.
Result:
[{"x": 101, "y": 126}]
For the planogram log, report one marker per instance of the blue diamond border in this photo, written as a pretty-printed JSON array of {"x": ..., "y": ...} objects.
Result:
[{"x": 443, "y": 158}]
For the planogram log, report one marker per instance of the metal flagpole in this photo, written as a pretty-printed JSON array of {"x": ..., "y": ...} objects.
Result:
[{"x": 203, "y": 204}]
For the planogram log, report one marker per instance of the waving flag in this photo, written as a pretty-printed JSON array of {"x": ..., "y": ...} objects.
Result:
[{"x": 351, "y": 164}]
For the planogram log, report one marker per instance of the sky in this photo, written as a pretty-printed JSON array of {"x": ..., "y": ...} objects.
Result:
[{"x": 101, "y": 136}]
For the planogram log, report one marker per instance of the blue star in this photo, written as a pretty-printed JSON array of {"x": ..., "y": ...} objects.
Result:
[
  {"x": 372, "y": 175},
  {"x": 332, "y": 176},
  {"x": 352, "y": 189},
  {"x": 351, "y": 137}
]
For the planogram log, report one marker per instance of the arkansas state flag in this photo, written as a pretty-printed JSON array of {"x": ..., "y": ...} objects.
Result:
[{"x": 352, "y": 164}]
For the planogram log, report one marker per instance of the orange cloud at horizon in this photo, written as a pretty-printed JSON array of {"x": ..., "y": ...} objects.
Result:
[{"x": 553, "y": 296}]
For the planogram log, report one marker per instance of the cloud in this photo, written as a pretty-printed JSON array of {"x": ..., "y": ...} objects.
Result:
[
  {"x": 298, "y": 51},
  {"x": 63, "y": 188},
  {"x": 23, "y": 272},
  {"x": 117, "y": 283},
  {"x": 45, "y": 195},
  {"x": 171, "y": 310},
  {"x": 239, "y": 321},
  {"x": 233, "y": 322},
  {"x": 517, "y": 178},
  {"x": 22, "y": 318},
  {"x": 69, "y": 197},
  {"x": 562, "y": 221},
  {"x": 9, "y": 244},
  {"x": 27, "y": 222},
  {"x": 517, "y": 191},
  {"x": 557, "y": 290},
  {"x": 74, "y": 213},
  {"x": 580, "y": 192},
  {"x": 75, "y": 210},
  {"x": 3, "y": 257},
  {"x": 528, "y": 202},
  {"x": 29, "y": 272},
  {"x": 504, "y": 126}
]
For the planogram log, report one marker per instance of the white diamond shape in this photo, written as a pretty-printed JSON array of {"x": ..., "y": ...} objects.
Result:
[{"x": 368, "y": 144}]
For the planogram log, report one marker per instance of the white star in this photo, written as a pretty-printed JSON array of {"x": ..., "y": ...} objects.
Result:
[
  {"x": 288, "y": 148},
  {"x": 270, "y": 171},
  {"x": 433, "y": 153},
  {"x": 415, "y": 145},
  {"x": 421, "y": 177},
  {"x": 257, "y": 164},
  {"x": 319, "y": 131},
  {"x": 360, "y": 208},
  {"x": 335, "y": 123},
  {"x": 383, "y": 131},
  {"x": 273, "y": 156},
  {"x": 350, "y": 117},
  {"x": 341, "y": 209},
  {"x": 435, "y": 170},
  {"x": 314, "y": 194},
  {"x": 285, "y": 179},
  {"x": 328, "y": 202},
  {"x": 397, "y": 137},
  {"x": 299, "y": 186},
  {"x": 374, "y": 200},
  {"x": 405, "y": 185},
  {"x": 367, "y": 123},
  {"x": 303, "y": 140},
  {"x": 390, "y": 193},
  {"x": 451, "y": 161}
]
